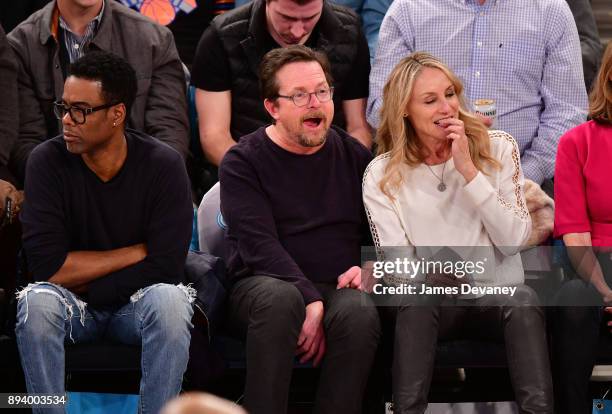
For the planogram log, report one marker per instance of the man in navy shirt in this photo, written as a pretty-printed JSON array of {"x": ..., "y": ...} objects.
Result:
[
  {"x": 291, "y": 197},
  {"x": 107, "y": 225}
]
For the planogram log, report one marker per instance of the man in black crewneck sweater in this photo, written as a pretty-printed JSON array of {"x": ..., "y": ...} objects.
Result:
[
  {"x": 291, "y": 197},
  {"x": 107, "y": 224}
]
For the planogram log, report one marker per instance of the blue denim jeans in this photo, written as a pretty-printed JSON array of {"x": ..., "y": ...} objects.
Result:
[{"x": 158, "y": 317}]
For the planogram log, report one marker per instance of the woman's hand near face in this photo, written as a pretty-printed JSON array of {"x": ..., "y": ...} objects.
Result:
[{"x": 460, "y": 149}]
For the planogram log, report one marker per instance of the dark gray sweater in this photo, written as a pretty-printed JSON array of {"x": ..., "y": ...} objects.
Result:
[{"x": 299, "y": 218}]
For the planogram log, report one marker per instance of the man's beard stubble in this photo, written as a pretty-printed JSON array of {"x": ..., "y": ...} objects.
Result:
[
  {"x": 305, "y": 142},
  {"x": 303, "y": 139}
]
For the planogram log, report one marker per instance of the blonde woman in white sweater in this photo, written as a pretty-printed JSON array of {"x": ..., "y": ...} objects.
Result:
[{"x": 442, "y": 179}]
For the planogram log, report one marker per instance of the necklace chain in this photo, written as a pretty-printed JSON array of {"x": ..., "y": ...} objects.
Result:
[{"x": 441, "y": 186}]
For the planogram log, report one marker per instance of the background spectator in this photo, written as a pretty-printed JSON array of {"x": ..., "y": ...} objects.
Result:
[
  {"x": 589, "y": 38},
  {"x": 69, "y": 30},
  {"x": 524, "y": 55},
  {"x": 186, "y": 22},
  {"x": 583, "y": 213},
  {"x": 372, "y": 13},
  {"x": 228, "y": 56}
]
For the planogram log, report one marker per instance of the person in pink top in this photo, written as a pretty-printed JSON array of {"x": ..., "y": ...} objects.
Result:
[
  {"x": 583, "y": 218},
  {"x": 583, "y": 215}
]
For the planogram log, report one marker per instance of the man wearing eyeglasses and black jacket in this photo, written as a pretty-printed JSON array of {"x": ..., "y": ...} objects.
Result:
[{"x": 106, "y": 227}]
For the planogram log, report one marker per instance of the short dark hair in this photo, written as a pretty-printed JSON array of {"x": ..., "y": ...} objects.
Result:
[
  {"x": 275, "y": 59},
  {"x": 298, "y": 2},
  {"x": 116, "y": 75}
]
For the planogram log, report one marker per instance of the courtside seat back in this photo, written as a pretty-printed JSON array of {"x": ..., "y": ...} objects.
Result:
[{"x": 211, "y": 227}]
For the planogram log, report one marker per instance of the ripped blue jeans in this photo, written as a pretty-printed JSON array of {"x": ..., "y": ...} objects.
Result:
[{"x": 158, "y": 317}]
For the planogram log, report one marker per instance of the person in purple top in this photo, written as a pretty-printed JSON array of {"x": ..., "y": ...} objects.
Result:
[
  {"x": 106, "y": 227},
  {"x": 291, "y": 197}
]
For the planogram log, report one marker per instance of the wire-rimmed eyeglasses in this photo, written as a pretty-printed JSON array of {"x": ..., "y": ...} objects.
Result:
[{"x": 302, "y": 98}]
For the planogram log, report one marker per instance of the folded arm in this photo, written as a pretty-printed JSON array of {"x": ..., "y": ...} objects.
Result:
[
  {"x": 167, "y": 238},
  {"x": 82, "y": 267},
  {"x": 111, "y": 276}
]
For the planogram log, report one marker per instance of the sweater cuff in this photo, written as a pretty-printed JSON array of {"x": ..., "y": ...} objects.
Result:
[
  {"x": 310, "y": 293},
  {"x": 479, "y": 189}
]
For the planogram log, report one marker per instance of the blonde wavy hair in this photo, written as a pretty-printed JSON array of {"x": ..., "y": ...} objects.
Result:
[
  {"x": 396, "y": 135},
  {"x": 600, "y": 108}
]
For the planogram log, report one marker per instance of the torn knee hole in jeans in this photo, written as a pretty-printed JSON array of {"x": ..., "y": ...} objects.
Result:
[
  {"x": 36, "y": 288},
  {"x": 188, "y": 290}
]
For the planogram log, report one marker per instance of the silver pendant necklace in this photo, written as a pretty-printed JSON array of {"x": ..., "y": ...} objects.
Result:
[{"x": 441, "y": 186}]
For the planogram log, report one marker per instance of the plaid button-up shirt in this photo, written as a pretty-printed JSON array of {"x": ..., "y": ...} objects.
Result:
[{"x": 77, "y": 45}]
